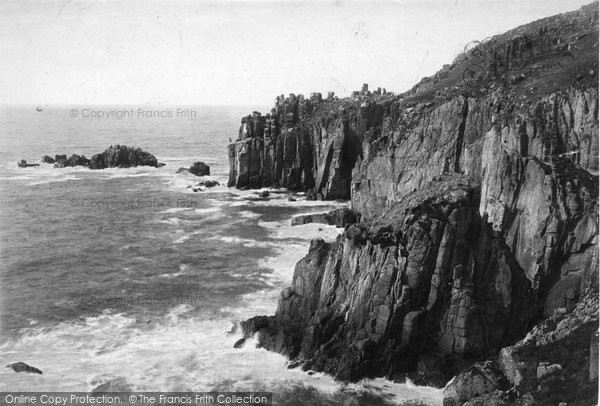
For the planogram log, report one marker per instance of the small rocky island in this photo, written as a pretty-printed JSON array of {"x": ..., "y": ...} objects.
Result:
[
  {"x": 115, "y": 156},
  {"x": 473, "y": 253}
]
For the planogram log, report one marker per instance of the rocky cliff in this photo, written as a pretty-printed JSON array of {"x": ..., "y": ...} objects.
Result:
[
  {"x": 305, "y": 144},
  {"x": 478, "y": 191}
]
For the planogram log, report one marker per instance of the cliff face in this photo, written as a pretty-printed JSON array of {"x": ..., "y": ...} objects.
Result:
[
  {"x": 303, "y": 144},
  {"x": 478, "y": 191},
  {"x": 424, "y": 275}
]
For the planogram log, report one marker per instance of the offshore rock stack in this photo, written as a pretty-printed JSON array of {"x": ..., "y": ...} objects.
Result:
[
  {"x": 478, "y": 200},
  {"x": 115, "y": 156}
]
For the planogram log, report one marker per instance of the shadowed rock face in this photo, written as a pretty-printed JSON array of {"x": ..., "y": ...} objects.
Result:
[
  {"x": 478, "y": 195},
  {"x": 556, "y": 362}
]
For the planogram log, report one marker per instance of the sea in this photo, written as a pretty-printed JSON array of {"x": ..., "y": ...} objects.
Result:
[{"x": 129, "y": 278}]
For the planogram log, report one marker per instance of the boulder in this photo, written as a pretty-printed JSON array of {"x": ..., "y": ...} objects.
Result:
[
  {"x": 61, "y": 163},
  {"x": 208, "y": 183},
  {"x": 48, "y": 159},
  {"x": 78, "y": 160},
  {"x": 98, "y": 161},
  {"x": 23, "y": 367},
  {"x": 59, "y": 157},
  {"x": 545, "y": 368},
  {"x": 477, "y": 380},
  {"x": 200, "y": 169}
]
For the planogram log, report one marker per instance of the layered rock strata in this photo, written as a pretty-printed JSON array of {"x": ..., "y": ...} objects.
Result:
[{"x": 478, "y": 195}]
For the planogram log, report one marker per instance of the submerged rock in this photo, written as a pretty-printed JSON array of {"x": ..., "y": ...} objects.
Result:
[
  {"x": 208, "y": 183},
  {"x": 23, "y": 164},
  {"x": 202, "y": 186},
  {"x": 239, "y": 343},
  {"x": 198, "y": 169},
  {"x": 23, "y": 367}
]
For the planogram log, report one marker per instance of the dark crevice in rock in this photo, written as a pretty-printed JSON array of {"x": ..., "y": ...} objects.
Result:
[{"x": 461, "y": 134}]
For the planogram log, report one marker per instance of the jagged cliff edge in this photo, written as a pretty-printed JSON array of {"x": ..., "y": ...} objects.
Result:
[{"x": 478, "y": 191}]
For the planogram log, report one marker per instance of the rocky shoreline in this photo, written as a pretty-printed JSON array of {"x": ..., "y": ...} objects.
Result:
[{"x": 475, "y": 247}]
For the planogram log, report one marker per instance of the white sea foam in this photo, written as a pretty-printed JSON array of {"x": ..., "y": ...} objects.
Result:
[
  {"x": 183, "y": 237},
  {"x": 208, "y": 210},
  {"x": 246, "y": 242},
  {"x": 170, "y": 220},
  {"x": 175, "y": 210},
  {"x": 174, "y": 353},
  {"x": 284, "y": 230},
  {"x": 247, "y": 214},
  {"x": 183, "y": 270}
]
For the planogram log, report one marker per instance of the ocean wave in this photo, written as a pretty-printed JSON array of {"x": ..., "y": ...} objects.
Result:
[{"x": 174, "y": 353}]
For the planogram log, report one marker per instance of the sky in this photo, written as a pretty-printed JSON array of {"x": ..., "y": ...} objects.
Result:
[{"x": 183, "y": 52}]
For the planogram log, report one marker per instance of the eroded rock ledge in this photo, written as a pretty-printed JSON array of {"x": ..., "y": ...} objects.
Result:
[{"x": 478, "y": 195}]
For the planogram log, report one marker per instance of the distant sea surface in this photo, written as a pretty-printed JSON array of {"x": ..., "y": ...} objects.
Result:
[{"x": 127, "y": 277}]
